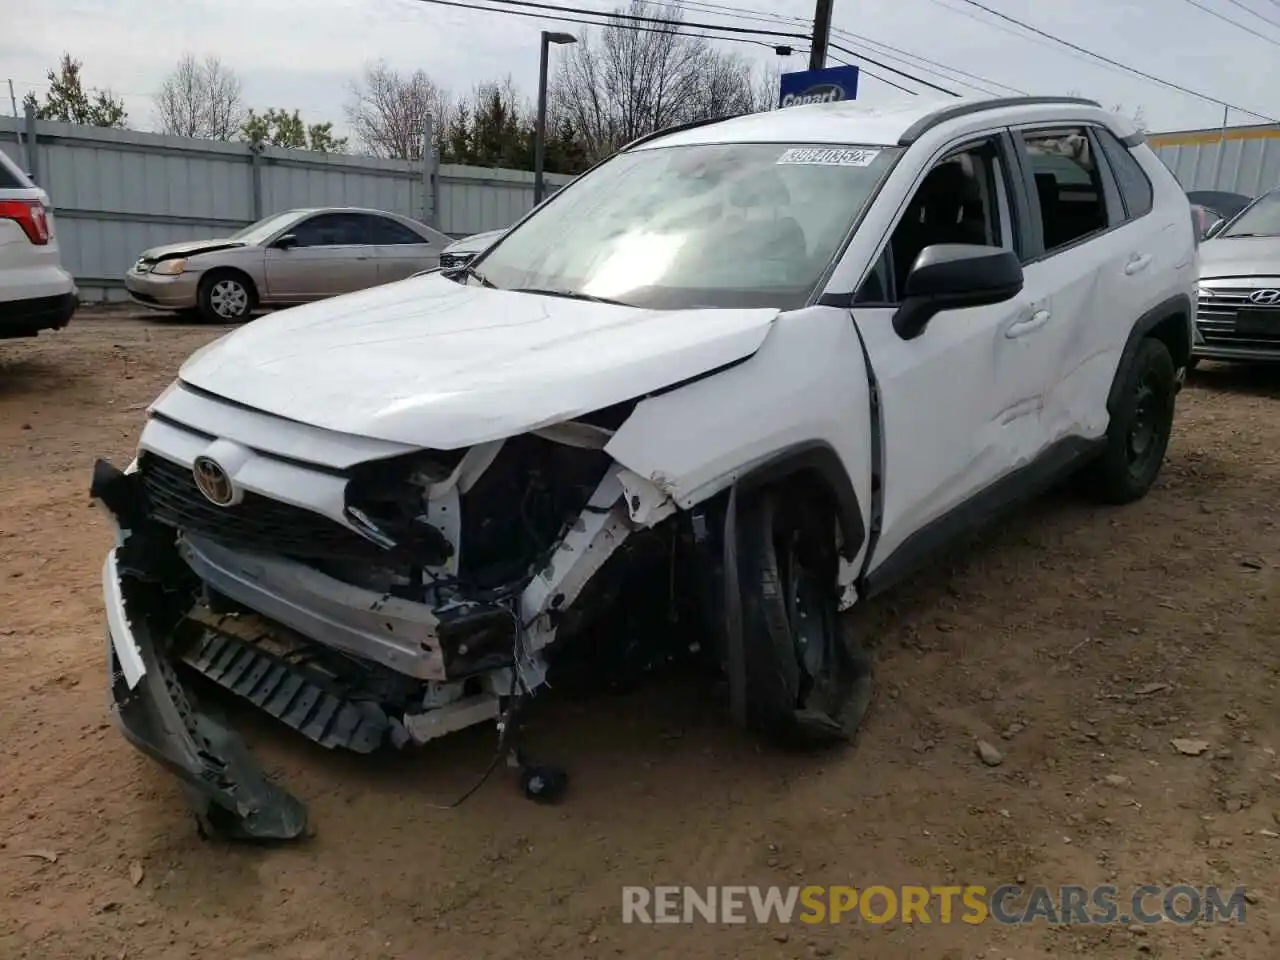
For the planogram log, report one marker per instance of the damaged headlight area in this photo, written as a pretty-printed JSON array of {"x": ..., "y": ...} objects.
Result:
[{"x": 390, "y": 603}]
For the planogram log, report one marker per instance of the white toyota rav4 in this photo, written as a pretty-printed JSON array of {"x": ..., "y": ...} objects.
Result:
[{"x": 738, "y": 377}]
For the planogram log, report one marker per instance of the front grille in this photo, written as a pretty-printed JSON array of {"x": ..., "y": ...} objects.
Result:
[
  {"x": 1216, "y": 319},
  {"x": 256, "y": 524}
]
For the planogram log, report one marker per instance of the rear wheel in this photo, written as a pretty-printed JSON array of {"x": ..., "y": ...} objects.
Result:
[
  {"x": 226, "y": 297},
  {"x": 1141, "y": 424},
  {"x": 806, "y": 683}
]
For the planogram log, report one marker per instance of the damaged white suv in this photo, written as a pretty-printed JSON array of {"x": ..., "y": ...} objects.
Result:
[{"x": 734, "y": 379}]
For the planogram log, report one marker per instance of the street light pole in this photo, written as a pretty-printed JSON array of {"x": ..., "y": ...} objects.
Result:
[{"x": 540, "y": 129}]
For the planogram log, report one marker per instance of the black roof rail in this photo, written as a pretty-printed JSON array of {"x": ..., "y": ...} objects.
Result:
[
  {"x": 676, "y": 128},
  {"x": 943, "y": 114}
]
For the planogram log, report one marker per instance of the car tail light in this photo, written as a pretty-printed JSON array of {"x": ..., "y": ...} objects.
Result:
[{"x": 30, "y": 216}]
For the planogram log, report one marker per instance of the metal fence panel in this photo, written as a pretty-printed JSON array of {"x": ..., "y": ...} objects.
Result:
[
  {"x": 1246, "y": 161},
  {"x": 117, "y": 192}
]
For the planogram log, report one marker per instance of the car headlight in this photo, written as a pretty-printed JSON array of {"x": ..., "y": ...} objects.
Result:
[{"x": 169, "y": 268}]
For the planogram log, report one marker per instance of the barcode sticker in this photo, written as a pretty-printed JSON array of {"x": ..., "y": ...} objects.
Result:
[{"x": 830, "y": 156}]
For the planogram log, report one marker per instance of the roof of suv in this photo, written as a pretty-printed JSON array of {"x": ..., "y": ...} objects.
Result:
[{"x": 850, "y": 121}]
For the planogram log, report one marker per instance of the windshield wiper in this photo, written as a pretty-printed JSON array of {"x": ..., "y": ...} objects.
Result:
[{"x": 571, "y": 295}]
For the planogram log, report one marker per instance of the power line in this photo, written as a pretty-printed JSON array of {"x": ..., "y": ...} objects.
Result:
[
  {"x": 634, "y": 18},
  {"x": 669, "y": 27},
  {"x": 596, "y": 23},
  {"x": 901, "y": 73},
  {"x": 970, "y": 15},
  {"x": 1250, "y": 10},
  {"x": 1115, "y": 63},
  {"x": 861, "y": 69},
  {"x": 1236, "y": 23},
  {"x": 905, "y": 56}
]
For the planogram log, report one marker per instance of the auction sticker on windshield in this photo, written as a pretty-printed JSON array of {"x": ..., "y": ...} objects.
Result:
[{"x": 830, "y": 156}]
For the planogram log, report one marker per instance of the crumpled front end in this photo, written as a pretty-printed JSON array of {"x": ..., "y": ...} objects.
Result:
[
  {"x": 367, "y": 595},
  {"x": 144, "y": 602}
]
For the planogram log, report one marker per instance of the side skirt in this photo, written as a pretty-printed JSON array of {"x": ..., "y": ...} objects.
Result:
[{"x": 1005, "y": 495}]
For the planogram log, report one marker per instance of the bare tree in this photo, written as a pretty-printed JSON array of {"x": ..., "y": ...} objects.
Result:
[
  {"x": 201, "y": 99},
  {"x": 629, "y": 82},
  {"x": 1138, "y": 116},
  {"x": 388, "y": 110}
]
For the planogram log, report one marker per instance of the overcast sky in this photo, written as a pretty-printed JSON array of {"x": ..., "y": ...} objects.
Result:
[{"x": 303, "y": 53}]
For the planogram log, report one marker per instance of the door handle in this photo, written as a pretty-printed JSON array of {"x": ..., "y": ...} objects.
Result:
[
  {"x": 1137, "y": 263},
  {"x": 1027, "y": 323}
]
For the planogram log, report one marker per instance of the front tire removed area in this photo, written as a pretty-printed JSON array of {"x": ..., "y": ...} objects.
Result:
[{"x": 805, "y": 683}]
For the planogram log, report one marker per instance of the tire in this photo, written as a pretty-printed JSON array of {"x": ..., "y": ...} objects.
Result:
[
  {"x": 1192, "y": 364},
  {"x": 806, "y": 684},
  {"x": 1141, "y": 424},
  {"x": 226, "y": 297}
]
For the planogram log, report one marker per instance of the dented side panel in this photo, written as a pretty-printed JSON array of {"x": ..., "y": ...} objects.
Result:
[{"x": 805, "y": 384}]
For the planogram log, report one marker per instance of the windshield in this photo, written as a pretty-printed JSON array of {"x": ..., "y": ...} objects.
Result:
[
  {"x": 717, "y": 225},
  {"x": 1262, "y": 219},
  {"x": 257, "y": 232}
]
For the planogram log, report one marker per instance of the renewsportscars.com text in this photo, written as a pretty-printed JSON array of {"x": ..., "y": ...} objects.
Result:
[{"x": 1006, "y": 904}]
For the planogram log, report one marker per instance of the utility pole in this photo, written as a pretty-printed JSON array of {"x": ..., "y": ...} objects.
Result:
[
  {"x": 821, "y": 34},
  {"x": 1222, "y": 151}
]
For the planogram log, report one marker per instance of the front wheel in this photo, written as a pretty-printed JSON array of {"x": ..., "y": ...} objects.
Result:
[
  {"x": 1141, "y": 424},
  {"x": 806, "y": 684},
  {"x": 225, "y": 298}
]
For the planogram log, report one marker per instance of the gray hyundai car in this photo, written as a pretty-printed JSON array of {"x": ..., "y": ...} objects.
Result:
[{"x": 1239, "y": 313}]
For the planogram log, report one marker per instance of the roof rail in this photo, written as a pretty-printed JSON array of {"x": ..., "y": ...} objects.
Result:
[
  {"x": 676, "y": 128},
  {"x": 943, "y": 114}
]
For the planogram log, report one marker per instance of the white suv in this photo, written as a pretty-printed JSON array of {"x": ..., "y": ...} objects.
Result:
[
  {"x": 731, "y": 381},
  {"x": 35, "y": 292}
]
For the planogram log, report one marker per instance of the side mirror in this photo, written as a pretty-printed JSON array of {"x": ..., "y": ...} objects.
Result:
[
  {"x": 948, "y": 276},
  {"x": 1215, "y": 229},
  {"x": 288, "y": 241}
]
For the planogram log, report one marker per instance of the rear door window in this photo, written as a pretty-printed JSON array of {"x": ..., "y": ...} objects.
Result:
[
  {"x": 390, "y": 233},
  {"x": 1068, "y": 184},
  {"x": 1135, "y": 188},
  {"x": 328, "y": 230}
]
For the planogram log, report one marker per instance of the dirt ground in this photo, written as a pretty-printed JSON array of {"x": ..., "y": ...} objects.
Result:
[{"x": 1079, "y": 641}]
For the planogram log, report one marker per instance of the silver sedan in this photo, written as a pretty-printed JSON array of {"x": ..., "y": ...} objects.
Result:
[{"x": 285, "y": 259}]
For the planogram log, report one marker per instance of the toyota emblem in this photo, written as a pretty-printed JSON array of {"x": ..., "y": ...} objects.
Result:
[
  {"x": 213, "y": 482},
  {"x": 1265, "y": 298}
]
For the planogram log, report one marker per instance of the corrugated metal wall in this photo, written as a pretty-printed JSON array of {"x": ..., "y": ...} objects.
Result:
[
  {"x": 1247, "y": 161},
  {"x": 117, "y": 192}
]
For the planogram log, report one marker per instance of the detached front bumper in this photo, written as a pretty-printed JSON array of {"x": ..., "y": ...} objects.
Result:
[{"x": 228, "y": 792}]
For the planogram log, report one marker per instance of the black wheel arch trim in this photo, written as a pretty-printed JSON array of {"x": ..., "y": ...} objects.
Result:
[
  {"x": 1175, "y": 306},
  {"x": 820, "y": 458}
]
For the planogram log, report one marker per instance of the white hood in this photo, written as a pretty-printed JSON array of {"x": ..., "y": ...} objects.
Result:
[{"x": 431, "y": 363}]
